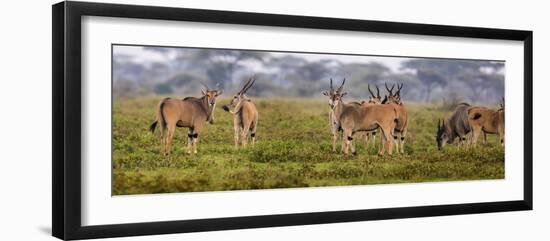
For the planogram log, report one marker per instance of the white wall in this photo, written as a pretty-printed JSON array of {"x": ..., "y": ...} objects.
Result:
[{"x": 25, "y": 104}]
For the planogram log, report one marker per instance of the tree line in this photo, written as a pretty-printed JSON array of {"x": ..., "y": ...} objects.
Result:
[{"x": 425, "y": 79}]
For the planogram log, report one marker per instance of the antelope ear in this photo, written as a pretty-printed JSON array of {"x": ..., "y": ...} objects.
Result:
[
  {"x": 203, "y": 92},
  {"x": 325, "y": 93},
  {"x": 219, "y": 92},
  {"x": 343, "y": 93}
]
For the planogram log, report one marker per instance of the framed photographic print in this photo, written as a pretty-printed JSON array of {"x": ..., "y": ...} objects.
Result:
[{"x": 170, "y": 120}]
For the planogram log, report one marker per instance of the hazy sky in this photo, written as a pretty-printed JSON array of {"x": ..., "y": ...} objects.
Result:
[{"x": 141, "y": 55}]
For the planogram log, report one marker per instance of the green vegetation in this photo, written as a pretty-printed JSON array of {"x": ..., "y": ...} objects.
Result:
[{"x": 293, "y": 149}]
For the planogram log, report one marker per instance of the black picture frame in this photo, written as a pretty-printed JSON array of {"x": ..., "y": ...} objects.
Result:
[{"x": 66, "y": 127}]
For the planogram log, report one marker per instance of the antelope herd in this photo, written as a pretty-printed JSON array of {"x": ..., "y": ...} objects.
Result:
[
  {"x": 468, "y": 119},
  {"x": 387, "y": 116}
]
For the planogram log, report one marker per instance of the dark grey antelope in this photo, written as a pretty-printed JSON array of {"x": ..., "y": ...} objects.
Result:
[
  {"x": 394, "y": 99},
  {"x": 356, "y": 118},
  {"x": 190, "y": 112},
  {"x": 456, "y": 126},
  {"x": 245, "y": 115}
]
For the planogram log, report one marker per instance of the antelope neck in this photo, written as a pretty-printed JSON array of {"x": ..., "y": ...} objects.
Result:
[
  {"x": 206, "y": 107},
  {"x": 238, "y": 107},
  {"x": 338, "y": 107},
  {"x": 449, "y": 131}
]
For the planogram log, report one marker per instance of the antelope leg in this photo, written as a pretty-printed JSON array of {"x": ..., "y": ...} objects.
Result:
[
  {"x": 170, "y": 136},
  {"x": 334, "y": 139},
  {"x": 236, "y": 136},
  {"x": 382, "y": 144},
  {"x": 162, "y": 148},
  {"x": 195, "y": 142},
  {"x": 382, "y": 148},
  {"x": 346, "y": 139},
  {"x": 403, "y": 135},
  {"x": 352, "y": 144},
  {"x": 189, "y": 141},
  {"x": 253, "y": 137},
  {"x": 396, "y": 141},
  {"x": 244, "y": 137},
  {"x": 334, "y": 130},
  {"x": 475, "y": 134},
  {"x": 253, "y": 131},
  {"x": 374, "y": 138},
  {"x": 367, "y": 139},
  {"x": 390, "y": 144}
]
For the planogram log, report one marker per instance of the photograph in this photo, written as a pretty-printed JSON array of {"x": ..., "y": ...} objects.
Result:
[
  {"x": 275, "y": 120},
  {"x": 192, "y": 119}
]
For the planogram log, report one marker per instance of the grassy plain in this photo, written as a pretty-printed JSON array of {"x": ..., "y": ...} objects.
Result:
[{"x": 293, "y": 149}]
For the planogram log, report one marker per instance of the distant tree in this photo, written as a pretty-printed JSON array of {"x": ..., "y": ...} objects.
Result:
[
  {"x": 163, "y": 88},
  {"x": 481, "y": 77},
  {"x": 222, "y": 64},
  {"x": 124, "y": 88},
  {"x": 310, "y": 78},
  {"x": 430, "y": 80}
]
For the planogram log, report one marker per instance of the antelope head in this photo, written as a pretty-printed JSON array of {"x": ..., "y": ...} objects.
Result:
[
  {"x": 374, "y": 99},
  {"x": 238, "y": 98},
  {"x": 442, "y": 137},
  {"x": 211, "y": 94},
  {"x": 334, "y": 95},
  {"x": 393, "y": 97}
]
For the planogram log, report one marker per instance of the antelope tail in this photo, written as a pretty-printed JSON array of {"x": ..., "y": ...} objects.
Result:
[
  {"x": 153, "y": 126},
  {"x": 160, "y": 118}
]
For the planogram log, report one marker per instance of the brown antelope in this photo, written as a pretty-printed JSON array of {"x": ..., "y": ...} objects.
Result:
[
  {"x": 488, "y": 121},
  {"x": 245, "y": 115},
  {"x": 190, "y": 112},
  {"x": 333, "y": 121},
  {"x": 394, "y": 99},
  {"x": 373, "y": 100},
  {"x": 353, "y": 118},
  {"x": 457, "y": 125}
]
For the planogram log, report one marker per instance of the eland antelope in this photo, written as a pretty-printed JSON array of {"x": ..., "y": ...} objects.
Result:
[
  {"x": 245, "y": 115},
  {"x": 353, "y": 118},
  {"x": 333, "y": 121},
  {"x": 394, "y": 99},
  {"x": 332, "y": 94},
  {"x": 457, "y": 125},
  {"x": 488, "y": 121},
  {"x": 190, "y": 112},
  {"x": 373, "y": 100}
]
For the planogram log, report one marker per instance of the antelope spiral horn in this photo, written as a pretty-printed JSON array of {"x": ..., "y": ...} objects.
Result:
[
  {"x": 342, "y": 85},
  {"x": 370, "y": 91}
]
